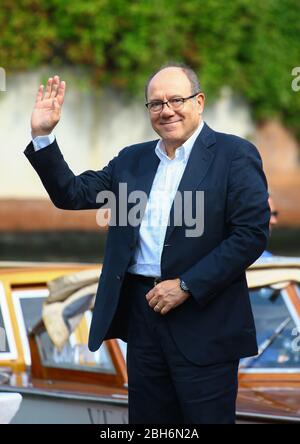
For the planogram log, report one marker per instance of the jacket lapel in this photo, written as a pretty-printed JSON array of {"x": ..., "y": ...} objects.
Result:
[
  {"x": 147, "y": 167},
  {"x": 198, "y": 164}
]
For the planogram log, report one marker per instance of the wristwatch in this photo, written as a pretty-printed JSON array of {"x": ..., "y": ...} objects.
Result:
[{"x": 183, "y": 285}]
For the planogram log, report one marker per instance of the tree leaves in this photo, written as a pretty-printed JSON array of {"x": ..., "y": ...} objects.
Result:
[{"x": 249, "y": 46}]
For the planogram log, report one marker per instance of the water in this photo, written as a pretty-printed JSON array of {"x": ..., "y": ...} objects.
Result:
[{"x": 84, "y": 246}]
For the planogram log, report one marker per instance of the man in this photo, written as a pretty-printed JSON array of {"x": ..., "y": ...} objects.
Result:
[
  {"x": 180, "y": 300},
  {"x": 274, "y": 215},
  {"x": 272, "y": 223}
]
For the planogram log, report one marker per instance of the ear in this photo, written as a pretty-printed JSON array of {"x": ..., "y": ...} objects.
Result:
[{"x": 201, "y": 102}]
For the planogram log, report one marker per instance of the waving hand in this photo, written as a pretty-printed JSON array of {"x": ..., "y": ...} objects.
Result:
[{"x": 47, "y": 109}]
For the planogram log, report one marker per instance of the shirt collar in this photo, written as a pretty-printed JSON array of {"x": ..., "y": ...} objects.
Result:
[{"x": 183, "y": 152}]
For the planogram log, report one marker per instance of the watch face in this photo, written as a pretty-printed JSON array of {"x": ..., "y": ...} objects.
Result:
[{"x": 183, "y": 286}]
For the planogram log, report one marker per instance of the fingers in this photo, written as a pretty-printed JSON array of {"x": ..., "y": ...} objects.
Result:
[
  {"x": 154, "y": 299},
  {"x": 166, "y": 296},
  {"x": 56, "y": 107},
  {"x": 54, "y": 88},
  {"x": 153, "y": 302},
  {"x": 48, "y": 88},
  {"x": 61, "y": 92},
  {"x": 158, "y": 304},
  {"x": 165, "y": 309},
  {"x": 161, "y": 308},
  {"x": 150, "y": 294},
  {"x": 55, "y": 85},
  {"x": 157, "y": 308},
  {"x": 39, "y": 95}
]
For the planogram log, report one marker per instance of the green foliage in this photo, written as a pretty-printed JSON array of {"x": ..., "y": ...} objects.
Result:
[{"x": 250, "y": 46}]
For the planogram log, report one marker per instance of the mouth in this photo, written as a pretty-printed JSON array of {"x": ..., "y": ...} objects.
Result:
[{"x": 170, "y": 123}]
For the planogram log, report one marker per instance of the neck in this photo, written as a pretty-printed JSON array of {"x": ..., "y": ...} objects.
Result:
[{"x": 171, "y": 148}]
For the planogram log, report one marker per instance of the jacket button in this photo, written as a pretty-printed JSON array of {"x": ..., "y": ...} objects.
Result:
[{"x": 119, "y": 276}]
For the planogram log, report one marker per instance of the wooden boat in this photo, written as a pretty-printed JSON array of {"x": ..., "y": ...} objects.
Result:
[
  {"x": 69, "y": 384},
  {"x": 269, "y": 384}
]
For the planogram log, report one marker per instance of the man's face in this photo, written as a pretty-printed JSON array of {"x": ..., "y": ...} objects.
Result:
[{"x": 174, "y": 126}]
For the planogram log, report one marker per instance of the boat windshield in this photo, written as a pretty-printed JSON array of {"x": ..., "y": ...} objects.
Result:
[
  {"x": 7, "y": 343},
  {"x": 3, "y": 341},
  {"x": 74, "y": 356},
  {"x": 75, "y": 353},
  {"x": 278, "y": 334}
]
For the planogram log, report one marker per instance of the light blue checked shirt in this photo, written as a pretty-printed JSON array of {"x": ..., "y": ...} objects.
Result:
[{"x": 147, "y": 256}]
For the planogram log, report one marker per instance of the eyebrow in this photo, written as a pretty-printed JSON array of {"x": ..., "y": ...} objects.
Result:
[{"x": 174, "y": 96}]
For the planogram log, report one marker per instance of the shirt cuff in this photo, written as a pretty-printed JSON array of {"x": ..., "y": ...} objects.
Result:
[{"x": 41, "y": 142}]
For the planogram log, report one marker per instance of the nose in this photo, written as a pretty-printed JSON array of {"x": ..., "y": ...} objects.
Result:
[{"x": 167, "y": 111}]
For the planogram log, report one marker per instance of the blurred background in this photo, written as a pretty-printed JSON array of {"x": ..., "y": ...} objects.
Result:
[{"x": 247, "y": 55}]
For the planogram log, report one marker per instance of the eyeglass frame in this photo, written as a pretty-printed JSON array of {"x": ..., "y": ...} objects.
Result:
[{"x": 167, "y": 102}]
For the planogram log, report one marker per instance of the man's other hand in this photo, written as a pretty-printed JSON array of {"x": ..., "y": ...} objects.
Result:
[
  {"x": 47, "y": 108},
  {"x": 166, "y": 295}
]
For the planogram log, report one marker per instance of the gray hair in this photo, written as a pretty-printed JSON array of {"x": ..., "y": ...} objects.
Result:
[{"x": 188, "y": 71}]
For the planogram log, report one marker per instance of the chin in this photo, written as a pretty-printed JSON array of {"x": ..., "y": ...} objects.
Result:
[
  {"x": 172, "y": 135},
  {"x": 171, "y": 138}
]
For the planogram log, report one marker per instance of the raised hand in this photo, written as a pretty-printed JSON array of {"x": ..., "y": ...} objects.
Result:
[{"x": 47, "y": 108}]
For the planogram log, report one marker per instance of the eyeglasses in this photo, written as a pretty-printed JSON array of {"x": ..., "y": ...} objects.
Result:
[{"x": 156, "y": 106}]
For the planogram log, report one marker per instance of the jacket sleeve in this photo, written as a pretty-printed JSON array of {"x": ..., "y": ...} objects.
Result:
[
  {"x": 247, "y": 221},
  {"x": 66, "y": 190}
]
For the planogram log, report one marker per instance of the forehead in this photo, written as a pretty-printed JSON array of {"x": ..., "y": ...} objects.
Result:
[{"x": 168, "y": 82}]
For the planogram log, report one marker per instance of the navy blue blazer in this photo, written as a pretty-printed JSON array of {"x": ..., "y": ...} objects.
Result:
[{"x": 215, "y": 324}]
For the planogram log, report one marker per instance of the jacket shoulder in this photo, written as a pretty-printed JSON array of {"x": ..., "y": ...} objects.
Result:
[
  {"x": 235, "y": 145},
  {"x": 137, "y": 149}
]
